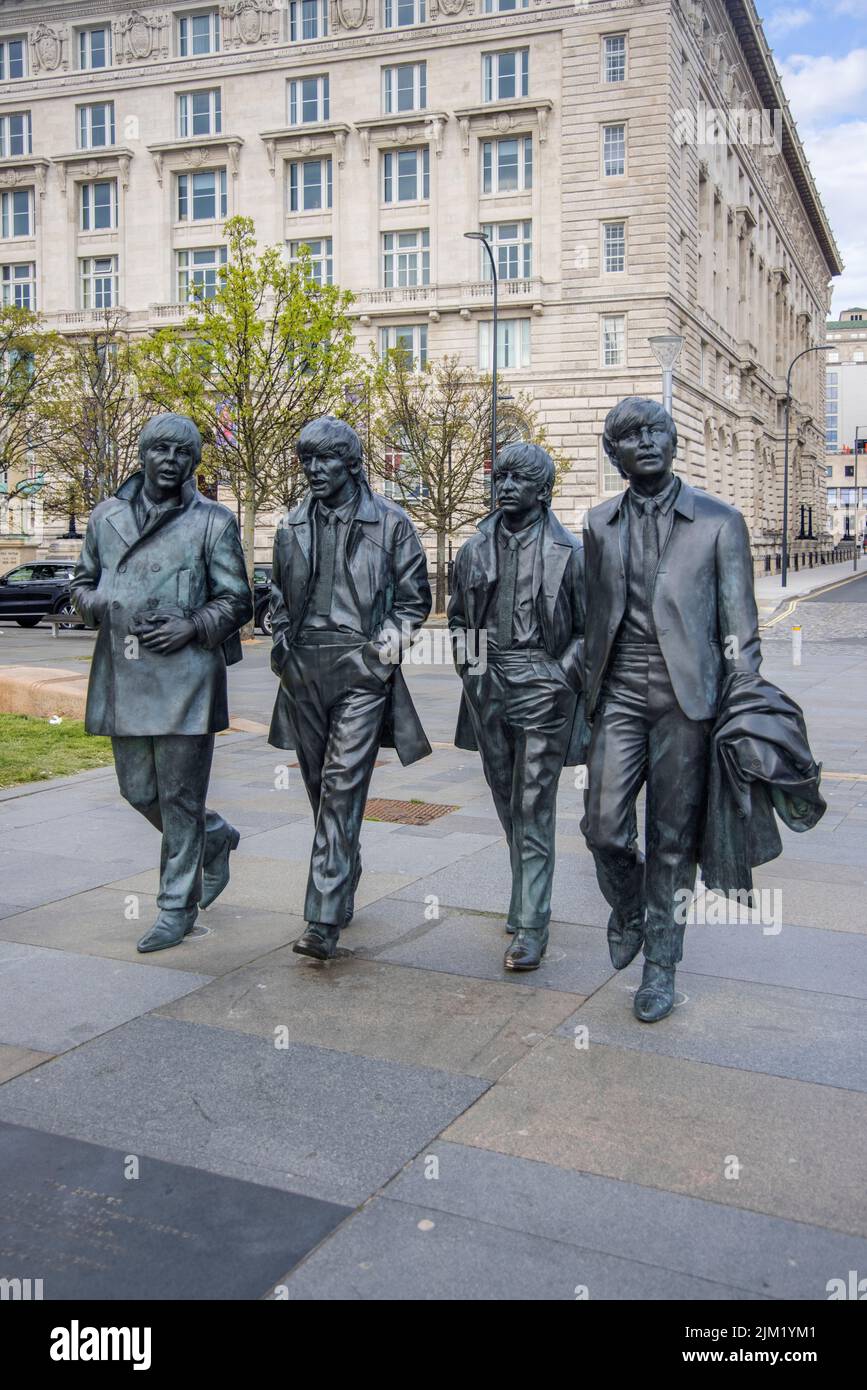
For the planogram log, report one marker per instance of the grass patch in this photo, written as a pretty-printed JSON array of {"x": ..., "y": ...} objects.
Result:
[{"x": 32, "y": 750}]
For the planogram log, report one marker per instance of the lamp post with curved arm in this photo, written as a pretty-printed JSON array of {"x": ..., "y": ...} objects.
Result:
[
  {"x": 784, "y": 570},
  {"x": 480, "y": 236}
]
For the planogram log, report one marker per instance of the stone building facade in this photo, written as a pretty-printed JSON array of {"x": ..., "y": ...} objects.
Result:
[
  {"x": 846, "y": 425},
  {"x": 615, "y": 149}
]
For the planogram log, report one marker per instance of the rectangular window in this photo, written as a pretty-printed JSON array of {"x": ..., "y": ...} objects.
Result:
[
  {"x": 506, "y": 75},
  {"x": 613, "y": 340},
  {"x": 16, "y": 134},
  {"x": 406, "y": 259},
  {"x": 512, "y": 245},
  {"x": 309, "y": 185},
  {"x": 13, "y": 59},
  {"x": 99, "y": 282},
  {"x": 199, "y": 113},
  {"x": 94, "y": 48},
  {"x": 398, "y": 13},
  {"x": 199, "y": 273},
  {"x": 611, "y": 479},
  {"x": 507, "y": 165},
  {"x": 410, "y": 339},
  {"x": 321, "y": 252},
  {"x": 199, "y": 34},
  {"x": 16, "y": 213},
  {"x": 99, "y": 206},
  {"x": 614, "y": 58},
  {"x": 404, "y": 88},
  {"x": 513, "y": 344},
  {"x": 308, "y": 19},
  {"x": 613, "y": 247},
  {"x": 613, "y": 150},
  {"x": 502, "y": 6},
  {"x": 308, "y": 100},
  {"x": 202, "y": 196},
  {"x": 19, "y": 286},
  {"x": 406, "y": 175},
  {"x": 96, "y": 125}
]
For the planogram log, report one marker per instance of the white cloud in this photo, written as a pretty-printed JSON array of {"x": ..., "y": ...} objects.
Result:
[
  {"x": 838, "y": 159},
  {"x": 781, "y": 22},
  {"x": 824, "y": 86}
]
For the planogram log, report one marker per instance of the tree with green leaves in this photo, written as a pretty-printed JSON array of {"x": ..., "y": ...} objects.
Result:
[
  {"x": 430, "y": 444},
  {"x": 29, "y": 369},
  {"x": 270, "y": 349}
]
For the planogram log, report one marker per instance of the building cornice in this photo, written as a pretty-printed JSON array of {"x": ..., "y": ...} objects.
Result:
[
  {"x": 402, "y": 128},
  {"x": 90, "y": 164},
  {"x": 305, "y": 140},
  {"x": 196, "y": 152}
]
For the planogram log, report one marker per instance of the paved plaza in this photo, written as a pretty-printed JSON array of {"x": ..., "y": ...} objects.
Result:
[{"x": 229, "y": 1120}]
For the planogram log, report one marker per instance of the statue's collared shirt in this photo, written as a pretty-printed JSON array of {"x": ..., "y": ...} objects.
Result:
[
  {"x": 332, "y": 605},
  {"x": 516, "y": 622},
  {"x": 648, "y": 524},
  {"x": 147, "y": 511}
]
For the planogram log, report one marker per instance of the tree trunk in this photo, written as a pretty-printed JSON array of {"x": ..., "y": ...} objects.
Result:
[
  {"x": 248, "y": 539},
  {"x": 440, "y": 602}
]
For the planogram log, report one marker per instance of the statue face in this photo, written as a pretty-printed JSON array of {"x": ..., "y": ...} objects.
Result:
[
  {"x": 167, "y": 463},
  {"x": 646, "y": 452},
  {"x": 518, "y": 495},
  {"x": 332, "y": 480}
]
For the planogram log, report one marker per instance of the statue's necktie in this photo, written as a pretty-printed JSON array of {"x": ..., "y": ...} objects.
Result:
[
  {"x": 650, "y": 546},
  {"x": 325, "y": 576},
  {"x": 506, "y": 593}
]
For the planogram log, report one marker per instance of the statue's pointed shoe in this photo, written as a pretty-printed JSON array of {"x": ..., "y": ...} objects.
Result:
[
  {"x": 319, "y": 941},
  {"x": 167, "y": 930},
  {"x": 526, "y": 950},
  {"x": 654, "y": 998},
  {"x": 215, "y": 874},
  {"x": 625, "y": 939}
]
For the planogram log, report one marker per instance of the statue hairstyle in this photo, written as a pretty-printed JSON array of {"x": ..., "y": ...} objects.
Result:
[
  {"x": 330, "y": 437},
  {"x": 533, "y": 462},
  {"x": 172, "y": 426},
  {"x": 630, "y": 414}
]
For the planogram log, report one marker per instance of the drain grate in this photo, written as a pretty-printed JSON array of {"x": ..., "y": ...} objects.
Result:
[{"x": 405, "y": 812}]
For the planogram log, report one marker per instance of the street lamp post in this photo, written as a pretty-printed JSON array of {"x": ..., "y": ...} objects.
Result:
[
  {"x": 784, "y": 569},
  {"x": 666, "y": 348},
  {"x": 480, "y": 236},
  {"x": 858, "y": 435}
]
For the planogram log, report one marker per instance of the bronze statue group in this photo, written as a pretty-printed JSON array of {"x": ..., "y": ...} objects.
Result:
[{"x": 634, "y": 654}]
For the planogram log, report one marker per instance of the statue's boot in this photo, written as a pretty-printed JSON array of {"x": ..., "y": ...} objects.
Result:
[
  {"x": 655, "y": 996},
  {"x": 169, "y": 929},
  {"x": 625, "y": 938},
  {"x": 319, "y": 941},
  {"x": 215, "y": 870},
  {"x": 350, "y": 906},
  {"x": 527, "y": 948}
]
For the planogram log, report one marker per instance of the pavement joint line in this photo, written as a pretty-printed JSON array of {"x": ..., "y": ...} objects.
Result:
[{"x": 812, "y": 593}]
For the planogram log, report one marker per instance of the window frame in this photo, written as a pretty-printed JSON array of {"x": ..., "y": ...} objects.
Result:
[
  {"x": 183, "y": 36},
  {"x": 7, "y": 201},
  {"x": 492, "y": 77},
  {"x": 84, "y": 188},
  {"x": 296, "y": 13},
  {"x": 391, "y": 161},
  {"x": 523, "y": 244},
  {"x": 391, "y": 88},
  {"x": 184, "y": 114},
  {"x": 183, "y": 296},
  {"x": 84, "y": 125},
  {"x": 323, "y": 99},
  {"x": 485, "y": 354},
  {"x": 391, "y": 9},
  {"x": 419, "y": 342},
  {"x": 9, "y": 281},
  {"x": 221, "y": 195},
  {"x": 390, "y": 256},
  {"x": 494, "y": 142},
  {"x": 606, "y": 39},
  {"x": 621, "y": 361},
  {"x": 84, "y": 280},
  {"x": 6, "y": 136},
  {"x": 317, "y": 258},
  {"x": 326, "y": 185},
  {"x": 606, "y": 227},
  {"x": 613, "y": 125},
  {"x": 84, "y": 47},
  {"x": 5, "y": 41}
]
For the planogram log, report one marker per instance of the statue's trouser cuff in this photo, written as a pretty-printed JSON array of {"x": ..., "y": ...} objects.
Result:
[
  {"x": 522, "y": 710},
  {"x": 641, "y": 737},
  {"x": 338, "y": 707},
  {"x": 165, "y": 777}
]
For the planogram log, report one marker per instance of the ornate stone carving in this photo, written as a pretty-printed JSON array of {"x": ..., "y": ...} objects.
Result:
[
  {"x": 449, "y": 6},
  {"x": 351, "y": 13},
  {"x": 47, "y": 48},
  {"x": 138, "y": 37},
  {"x": 248, "y": 22}
]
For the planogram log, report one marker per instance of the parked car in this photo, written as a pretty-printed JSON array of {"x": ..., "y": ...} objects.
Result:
[
  {"x": 262, "y": 596},
  {"x": 30, "y": 592}
]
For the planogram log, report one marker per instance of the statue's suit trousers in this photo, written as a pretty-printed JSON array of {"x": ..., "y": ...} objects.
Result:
[{"x": 337, "y": 708}]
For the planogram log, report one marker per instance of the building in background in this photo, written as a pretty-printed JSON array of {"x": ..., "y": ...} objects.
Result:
[
  {"x": 846, "y": 418},
  {"x": 634, "y": 164}
]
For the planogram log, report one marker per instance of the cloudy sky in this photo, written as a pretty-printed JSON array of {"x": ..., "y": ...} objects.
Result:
[{"x": 820, "y": 48}]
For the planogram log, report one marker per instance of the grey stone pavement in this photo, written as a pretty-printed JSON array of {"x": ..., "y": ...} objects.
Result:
[{"x": 227, "y": 1120}]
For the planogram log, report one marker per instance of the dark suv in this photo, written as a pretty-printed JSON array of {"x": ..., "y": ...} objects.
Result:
[
  {"x": 29, "y": 592},
  {"x": 261, "y": 596}
]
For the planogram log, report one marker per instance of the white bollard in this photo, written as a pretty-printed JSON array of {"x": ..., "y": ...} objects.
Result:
[{"x": 797, "y": 636}]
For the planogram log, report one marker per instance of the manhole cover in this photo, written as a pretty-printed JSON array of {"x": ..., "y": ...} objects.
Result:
[{"x": 405, "y": 812}]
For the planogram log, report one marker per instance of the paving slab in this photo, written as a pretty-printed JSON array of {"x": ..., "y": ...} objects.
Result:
[
  {"x": 384, "y": 848},
  {"x": 483, "y": 884},
  {"x": 744, "y": 1249},
  {"x": 463, "y": 943},
  {"x": 96, "y": 924},
  {"x": 396, "y": 1252},
  {"x": 468, "y": 1026},
  {"x": 15, "y": 1060},
  {"x": 796, "y": 957},
  {"x": 303, "y": 1119},
  {"x": 54, "y": 1000},
  {"x": 679, "y": 1125},
  {"x": 789, "y": 867},
  {"x": 69, "y": 1211},
  {"x": 33, "y": 877},
  {"x": 759, "y": 1028},
  {"x": 811, "y": 903}
]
